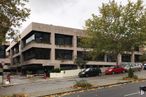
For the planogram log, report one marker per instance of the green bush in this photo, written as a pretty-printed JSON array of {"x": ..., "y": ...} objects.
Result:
[
  {"x": 82, "y": 84},
  {"x": 56, "y": 70},
  {"x": 130, "y": 73}
]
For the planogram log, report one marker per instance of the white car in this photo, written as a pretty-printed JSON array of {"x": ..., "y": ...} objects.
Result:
[{"x": 133, "y": 66}]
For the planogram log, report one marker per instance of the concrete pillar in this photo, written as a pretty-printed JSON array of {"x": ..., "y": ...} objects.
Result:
[
  {"x": 133, "y": 57},
  {"x": 105, "y": 58},
  {"x": 20, "y": 50},
  {"x": 119, "y": 59},
  {"x": 74, "y": 41},
  {"x": 53, "y": 47}
]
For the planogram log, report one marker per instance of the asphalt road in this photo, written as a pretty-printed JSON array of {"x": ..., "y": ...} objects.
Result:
[
  {"x": 50, "y": 86},
  {"x": 126, "y": 90}
]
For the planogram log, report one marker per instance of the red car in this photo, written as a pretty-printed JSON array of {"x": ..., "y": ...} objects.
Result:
[{"x": 115, "y": 69}]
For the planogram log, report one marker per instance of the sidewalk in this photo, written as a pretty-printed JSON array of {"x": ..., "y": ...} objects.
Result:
[{"x": 61, "y": 85}]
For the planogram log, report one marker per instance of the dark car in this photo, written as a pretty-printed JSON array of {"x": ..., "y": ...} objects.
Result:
[
  {"x": 144, "y": 66},
  {"x": 90, "y": 72},
  {"x": 115, "y": 69}
]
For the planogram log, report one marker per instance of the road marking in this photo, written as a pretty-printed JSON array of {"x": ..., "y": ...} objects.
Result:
[{"x": 132, "y": 94}]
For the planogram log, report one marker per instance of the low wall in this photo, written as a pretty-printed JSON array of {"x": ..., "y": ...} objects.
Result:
[{"x": 65, "y": 73}]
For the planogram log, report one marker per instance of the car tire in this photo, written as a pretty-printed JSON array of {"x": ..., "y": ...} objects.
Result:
[
  {"x": 86, "y": 75},
  {"x": 123, "y": 71}
]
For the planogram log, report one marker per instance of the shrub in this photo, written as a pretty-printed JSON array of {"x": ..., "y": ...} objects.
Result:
[
  {"x": 82, "y": 84},
  {"x": 130, "y": 73},
  {"x": 56, "y": 70}
]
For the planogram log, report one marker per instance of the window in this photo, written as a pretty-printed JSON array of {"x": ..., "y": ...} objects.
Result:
[
  {"x": 78, "y": 42},
  {"x": 31, "y": 38},
  {"x": 85, "y": 55},
  {"x": 126, "y": 57},
  {"x": 2, "y": 51},
  {"x": 63, "y": 54},
  {"x": 63, "y": 39},
  {"x": 37, "y": 36},
  {"x": 42, "y": 37},
  {"x": 37, "y": 53}
]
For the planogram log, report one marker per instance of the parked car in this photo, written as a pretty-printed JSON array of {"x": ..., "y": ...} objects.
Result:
[
  {"x": 115, "y": 69},
  {"x": 134, "y": 66},
  {"x": 144, "y": 66},
  {"x": 90, "y": 72}
]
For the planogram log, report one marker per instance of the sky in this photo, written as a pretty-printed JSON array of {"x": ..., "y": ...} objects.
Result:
[{"x": 68, "y": 13}]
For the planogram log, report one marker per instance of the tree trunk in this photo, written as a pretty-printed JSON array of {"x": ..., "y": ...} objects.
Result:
[
  {"x": 132, "y": 57},
  {"x": 119, "y": 59}
]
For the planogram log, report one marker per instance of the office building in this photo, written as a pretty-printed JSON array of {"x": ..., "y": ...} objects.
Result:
[{"x": 44, "y": 47}]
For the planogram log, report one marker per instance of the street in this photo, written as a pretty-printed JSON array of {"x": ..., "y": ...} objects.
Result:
[
  {"x": 48, "y": 86},
  {"x": 127, "y": 90}
]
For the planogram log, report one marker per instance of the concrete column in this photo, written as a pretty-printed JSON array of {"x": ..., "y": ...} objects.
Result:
[
  {"x": 133, "y": 57},
  {"x": 52, "y": 55},
  {"x": 11, "y": 60},
  {"x": 119, "y": 59},
  {"x": 105, "y": 58},
  {"x": 20, "y": 50},
  {"x": 74, "y": 41}
]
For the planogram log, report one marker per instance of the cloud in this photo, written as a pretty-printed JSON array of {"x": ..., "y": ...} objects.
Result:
[{"x": 70, "y": 13}]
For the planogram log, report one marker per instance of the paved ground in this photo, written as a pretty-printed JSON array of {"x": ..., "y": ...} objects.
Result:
[
  {"x": 126, "y": 90},
  {"x": 39, "y": 86}
]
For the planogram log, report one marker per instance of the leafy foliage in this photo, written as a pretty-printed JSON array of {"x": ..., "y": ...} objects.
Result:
[
  {"x": 12, "y": 14},
  {"x": 143, "y": 57},
  {"x": 80, "y": 62},
  {"x": 82, "y": 84},
  {"x": 130, "y": 73},
  {"x": 117, "y": 28},
  {"x": 56, "y": 70}
]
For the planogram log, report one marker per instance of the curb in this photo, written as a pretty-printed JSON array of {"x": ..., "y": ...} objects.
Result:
[{"x": 94, "y": 87}]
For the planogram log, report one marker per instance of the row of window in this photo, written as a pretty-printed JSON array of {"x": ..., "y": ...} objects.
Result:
[
  {"x": 44, "y": 53},
  {"x": 44, "y": 37}
]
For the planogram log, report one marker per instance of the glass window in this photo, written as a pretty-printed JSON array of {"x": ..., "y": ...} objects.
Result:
[
  {"x": 63, "y": 54},
  {"x": 63, "y": 39},
  {"x": 31, "y": 38},
  {"x": 37, "y": 53}
]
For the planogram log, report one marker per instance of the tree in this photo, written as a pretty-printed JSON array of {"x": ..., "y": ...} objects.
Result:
[
  {"x": 116, "y": 29},
  {"x": 143, "y": 58},
  {"x": 80, "y": 62},
  {"x": 12, "y": 14}
]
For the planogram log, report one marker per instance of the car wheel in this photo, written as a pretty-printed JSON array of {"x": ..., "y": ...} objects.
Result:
[
  {"x": 124, "y": 71},
  {"x": 86, "y": 75}
]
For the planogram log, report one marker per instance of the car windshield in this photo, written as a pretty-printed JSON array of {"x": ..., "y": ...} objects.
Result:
[{"x": 87, "y": 69}]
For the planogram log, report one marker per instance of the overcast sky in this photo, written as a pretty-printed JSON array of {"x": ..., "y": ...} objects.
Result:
[{"x": 69, "y": 13}]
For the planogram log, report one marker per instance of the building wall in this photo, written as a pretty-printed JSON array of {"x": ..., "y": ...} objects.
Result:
[{"x": 18, "y": 49}]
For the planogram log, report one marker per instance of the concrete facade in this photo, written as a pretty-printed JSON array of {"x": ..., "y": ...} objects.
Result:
[{"x": 21, "y": 47}]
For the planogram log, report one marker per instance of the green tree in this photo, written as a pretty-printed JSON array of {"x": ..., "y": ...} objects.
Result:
[
  {"x": 143, "y": 58},
  {"x": 116, "y": 29},
  {"x": 80, "y": 62},
  {"x": 12, "y": 14}
]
